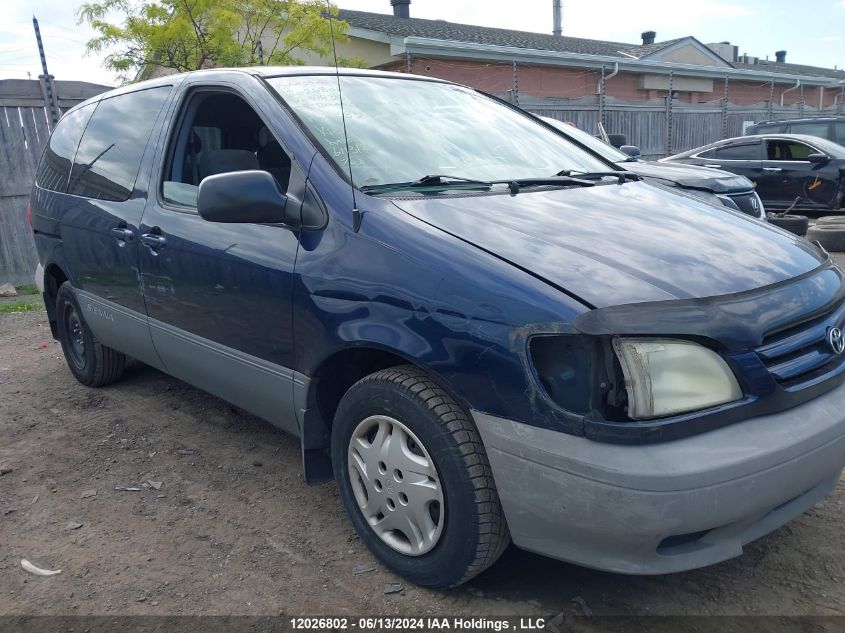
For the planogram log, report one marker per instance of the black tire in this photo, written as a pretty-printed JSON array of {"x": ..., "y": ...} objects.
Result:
[
  {"x": 92, "y": 363},
  {"x": 830, "y": 236},
  {"x": 830, "y": 219},
  {"x": 475, "y": 532},
  {"x": 796, "y": 224}
]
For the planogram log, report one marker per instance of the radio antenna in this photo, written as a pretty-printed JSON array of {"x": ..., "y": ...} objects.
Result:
[{"x": 356, "y": 214}]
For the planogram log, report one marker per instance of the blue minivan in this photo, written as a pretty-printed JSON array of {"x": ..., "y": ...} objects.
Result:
[{"x": 481, "y": 330}]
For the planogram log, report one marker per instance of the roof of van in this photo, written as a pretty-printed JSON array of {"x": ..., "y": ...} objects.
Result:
[{"x": 259, "y": 71}]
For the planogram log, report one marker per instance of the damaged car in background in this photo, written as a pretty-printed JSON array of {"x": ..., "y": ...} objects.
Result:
[
  {"x": 717, "y": 187},
  {"x": 789, "y": 171}
]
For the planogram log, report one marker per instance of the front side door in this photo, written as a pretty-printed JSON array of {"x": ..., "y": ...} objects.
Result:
[
  {"x": 100, "y": 225},
  {"x": 788, "y": 176},
  {"x": 219, "y": 295}
]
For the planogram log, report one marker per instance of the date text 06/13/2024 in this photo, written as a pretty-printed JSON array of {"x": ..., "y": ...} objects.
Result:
[{"x": 417, "y": 624}]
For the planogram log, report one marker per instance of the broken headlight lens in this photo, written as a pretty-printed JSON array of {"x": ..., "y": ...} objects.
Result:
[{"x": 665, "y": 376}]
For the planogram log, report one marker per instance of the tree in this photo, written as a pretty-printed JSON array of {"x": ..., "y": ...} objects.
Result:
[{"x": 192, "y": 34}]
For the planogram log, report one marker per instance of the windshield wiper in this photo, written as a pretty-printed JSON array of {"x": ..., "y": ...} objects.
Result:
[
  {"x": 561, "y": 180},
  {"x": 440, "y": 181},
  {"x": 431, "y": 180},
  {"x": 623, "y": 176}
]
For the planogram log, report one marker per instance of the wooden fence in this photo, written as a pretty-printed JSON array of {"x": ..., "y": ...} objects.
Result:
[
  {"x": 660, "y": 129},
  {"x": 25, "y": 126}
]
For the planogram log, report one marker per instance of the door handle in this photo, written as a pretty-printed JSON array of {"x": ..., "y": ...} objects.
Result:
[
  {"x": 154, "y": 241},
  {"x": 773, "y": 170},
  {"x": 713, "y": 166},
  {"x": 123, "y": 234}
]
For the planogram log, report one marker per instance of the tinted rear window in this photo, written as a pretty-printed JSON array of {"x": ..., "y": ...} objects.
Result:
[
  {"x": 811, "y": 129},
  {"x": 110, "y": 153},
  {"x": 770, "y": 128},
  {"x": 749, "y": 151},
  {"x": 54, "y": 169}
]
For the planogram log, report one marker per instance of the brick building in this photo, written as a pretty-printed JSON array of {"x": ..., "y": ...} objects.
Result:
[{"x": 503, "y": 62}]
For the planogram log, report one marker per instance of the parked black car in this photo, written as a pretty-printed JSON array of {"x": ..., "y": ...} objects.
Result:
[
  {"x": 784, "y": 167},
  {"x": 717, "y": 187},
  {"x": 830, "y": 127}
]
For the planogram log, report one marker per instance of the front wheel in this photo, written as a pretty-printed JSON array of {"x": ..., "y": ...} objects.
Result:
[{"x": 415, "y": 479}]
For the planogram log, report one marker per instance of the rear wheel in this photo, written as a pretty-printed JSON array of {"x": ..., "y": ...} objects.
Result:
[
  {"x": 415, "y": 479},
  {"x": 92, "y": 363}
]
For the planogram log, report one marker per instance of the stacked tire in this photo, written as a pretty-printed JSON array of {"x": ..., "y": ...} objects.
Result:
[
  {"x": 829, "y": 232},
  {"x": 796, "y": 224}
]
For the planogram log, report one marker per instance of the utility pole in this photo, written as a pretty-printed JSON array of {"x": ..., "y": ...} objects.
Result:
[
  {"x": 669, "y": 114},
  {"x": 48, "y": 88},
  {"x": 260, "y": 53}
]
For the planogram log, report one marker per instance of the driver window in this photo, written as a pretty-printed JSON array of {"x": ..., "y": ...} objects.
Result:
[
  {"x": 787, "y": 150},
  {"x": 219, "y": 133}
]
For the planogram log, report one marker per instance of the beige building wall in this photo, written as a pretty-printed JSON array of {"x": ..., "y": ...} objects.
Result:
[
  {"x": 154, "y": 72},
  {"x": 681, "y": 84},
  {"x": 688, "y": 54},
  {"x": 373, "y": 53}
]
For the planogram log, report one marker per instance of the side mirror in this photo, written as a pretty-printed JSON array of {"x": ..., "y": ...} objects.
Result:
[
  {"x": 818, "y": 159},
  {"x": 617, "y": 140},
  {"x": 632, "y": 150},
  {"x": 241, "y": 197}
]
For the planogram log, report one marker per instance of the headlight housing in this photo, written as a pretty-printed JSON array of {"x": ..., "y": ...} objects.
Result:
[
  {"x": 667, "y": 376},
  {"x": 728, "y": 202}
]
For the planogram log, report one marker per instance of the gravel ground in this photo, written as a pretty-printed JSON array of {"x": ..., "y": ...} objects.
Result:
[{"x": 233, "y": 529}]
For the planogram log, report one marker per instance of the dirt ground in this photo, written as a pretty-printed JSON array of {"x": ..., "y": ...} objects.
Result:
[{"x": 233, "y": 529}]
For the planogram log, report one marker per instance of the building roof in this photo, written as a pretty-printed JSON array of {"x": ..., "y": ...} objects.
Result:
[
  {"x": 792, "y": 69},
  {"x": 442, "y": 30}
]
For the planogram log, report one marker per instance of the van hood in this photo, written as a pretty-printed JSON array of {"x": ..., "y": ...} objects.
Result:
[
  {"x": 617, "y": 244},
  {"x": 691, "y": 176}
]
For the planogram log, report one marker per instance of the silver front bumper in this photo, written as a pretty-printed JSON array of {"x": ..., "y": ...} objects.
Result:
[{"x": 669, "y": 507}]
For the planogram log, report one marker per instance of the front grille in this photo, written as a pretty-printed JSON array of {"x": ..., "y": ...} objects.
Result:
[
  {"x": 748, "y": 203},
  {"x": 802, "y": 355}
]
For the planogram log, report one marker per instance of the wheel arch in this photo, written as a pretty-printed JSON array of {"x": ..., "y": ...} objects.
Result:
[
  {"x": 318, "y": 399},
  {"x": 54, "y": 276}
]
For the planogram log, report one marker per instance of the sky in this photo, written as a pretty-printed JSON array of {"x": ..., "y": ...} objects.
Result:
[{"x": 812, "y": 31}]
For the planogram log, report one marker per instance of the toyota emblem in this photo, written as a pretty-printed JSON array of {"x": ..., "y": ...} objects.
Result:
[{"x": 836, "y": 340}]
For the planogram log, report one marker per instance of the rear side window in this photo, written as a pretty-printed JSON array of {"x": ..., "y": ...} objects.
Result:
[
  {"x": 748, "y": 151},
  {"x": 839, "y": 132},
  {"x": 110, "y": 153},
  {"x": 54, "y": 169},
  {"x": 811, "y": 129},
  {"x": 771, "y": 128}
]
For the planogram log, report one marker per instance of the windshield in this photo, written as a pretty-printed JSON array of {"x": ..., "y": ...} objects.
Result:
[
  {"x": 597, "y": 145},
  {"x": 401, "y": 130}
]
